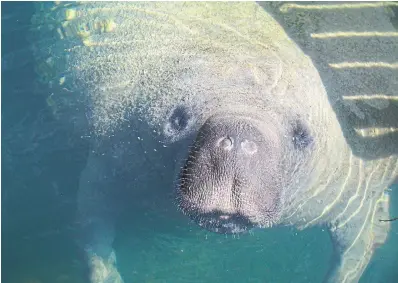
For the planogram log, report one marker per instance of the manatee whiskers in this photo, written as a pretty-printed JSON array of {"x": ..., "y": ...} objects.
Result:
[{"x": 220, "y": 221}]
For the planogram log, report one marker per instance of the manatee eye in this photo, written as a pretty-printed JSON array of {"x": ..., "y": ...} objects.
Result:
[
  {"x": 179, "y": 119},
  {"x": 176, "y": 124},
  {"x": 301, "y": 137}
]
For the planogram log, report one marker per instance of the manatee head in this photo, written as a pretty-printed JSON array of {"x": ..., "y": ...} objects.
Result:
[
  {"x": 253, "y": 146},
  {"x": 238, "y": 170}
]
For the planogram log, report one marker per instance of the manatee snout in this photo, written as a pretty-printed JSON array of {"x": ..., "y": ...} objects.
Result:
[{"x": 230, "y": 181}]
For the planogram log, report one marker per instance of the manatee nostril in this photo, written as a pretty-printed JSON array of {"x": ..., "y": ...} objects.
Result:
[
  {"x": 249, "y": 147},
  {"x": 226, "y": 143}
]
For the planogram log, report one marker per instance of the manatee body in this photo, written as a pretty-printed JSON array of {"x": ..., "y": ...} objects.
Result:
[{"x": 219, "y": 95}]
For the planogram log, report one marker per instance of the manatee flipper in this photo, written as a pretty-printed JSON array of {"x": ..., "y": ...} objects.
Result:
[
  {"x": 356, "y": 239},
  {"x": 104, "y": 270},
  {"x": 96, "y": 214}
]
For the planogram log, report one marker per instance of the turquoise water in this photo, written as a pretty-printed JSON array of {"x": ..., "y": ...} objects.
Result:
[{"x": 39, "y": 183}]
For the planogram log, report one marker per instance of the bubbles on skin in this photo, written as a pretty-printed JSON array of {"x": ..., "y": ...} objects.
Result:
[{"x": 301, "y": 137}]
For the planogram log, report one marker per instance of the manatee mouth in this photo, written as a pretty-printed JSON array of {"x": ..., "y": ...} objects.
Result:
[
  {"x": 222, "y": 223},
  {"x": 229, "y": 182}
]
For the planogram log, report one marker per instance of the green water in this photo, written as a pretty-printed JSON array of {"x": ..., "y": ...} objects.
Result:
[
  {"x": 38, "y": 206},
  {"x": 169, "y": 251}
]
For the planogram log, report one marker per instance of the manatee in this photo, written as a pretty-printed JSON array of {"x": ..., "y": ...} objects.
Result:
[{"x": 220, "y": 104}]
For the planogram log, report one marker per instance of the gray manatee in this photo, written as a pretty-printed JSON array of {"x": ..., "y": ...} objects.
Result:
[{"x": 221, "y": 96}]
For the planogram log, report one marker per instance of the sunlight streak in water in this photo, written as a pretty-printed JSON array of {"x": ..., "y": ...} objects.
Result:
[
  {"x": 370, "y": 96},
  {"x": 354, "y": 34},
  {"x": 347, "y": 65},
  {"x": 378, "y": 101},
  {"x": 286, "y": 7},
  {"x": 375, "y": 132}
]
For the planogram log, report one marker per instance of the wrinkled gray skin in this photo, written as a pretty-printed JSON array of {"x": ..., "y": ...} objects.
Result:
[
  {"x": 228, "y": 155},
  {"x": 221, "y": 97}
]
